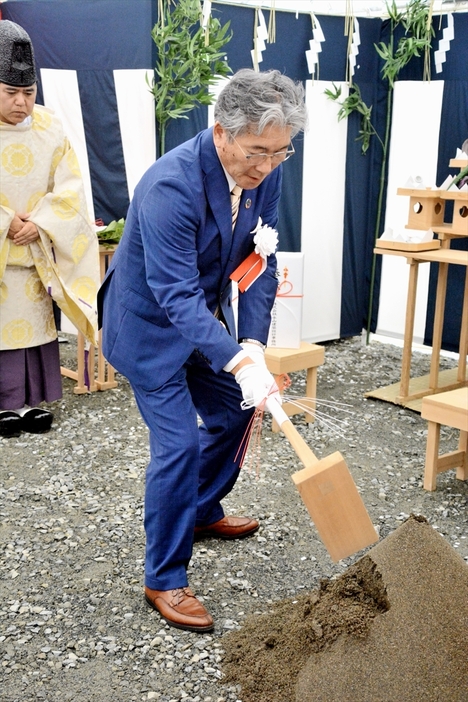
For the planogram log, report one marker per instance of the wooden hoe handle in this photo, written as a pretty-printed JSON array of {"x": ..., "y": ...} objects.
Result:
[{"x": 303, "y": 451}]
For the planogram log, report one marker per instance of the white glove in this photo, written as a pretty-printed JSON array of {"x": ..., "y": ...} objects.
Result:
[
  {"x": 256, "y": 383},
  {"x": 256, "y": 352}
]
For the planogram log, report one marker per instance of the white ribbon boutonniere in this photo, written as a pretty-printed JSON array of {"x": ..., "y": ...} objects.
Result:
[{"x": 265, "y": 239}]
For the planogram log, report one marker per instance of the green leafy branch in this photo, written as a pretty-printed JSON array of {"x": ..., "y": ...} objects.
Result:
[
  {"x": 355, "y": 103},
  {"x": 417, "y": 38},
  {"x": 111, "y": 235},
  {"x": 190, "y": 60},
  {"x": 462, "y": 174}
]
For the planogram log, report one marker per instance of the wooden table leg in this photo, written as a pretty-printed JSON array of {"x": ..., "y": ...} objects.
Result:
[
  {"x": 101, "y": 362},
  {"x": 308, "y": 401},
  {"x": 409, "y": 329},
  {"x": 462, "y": 470},
  {"x": 106, "y": 373},
  {"x": 92, "y": 368},
  {"x": 438, "y": 325},
  {"x": 79, "y": 375},
  {"x": 432, "y": 455},
  {"x": 311, "y": 392},
  {"x": 463, "y": 350}
]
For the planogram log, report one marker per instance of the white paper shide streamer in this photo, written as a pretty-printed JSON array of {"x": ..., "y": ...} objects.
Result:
[
  {"x": 354, "y": 51},
  {"x": 261, "y": 36},
  {"x": 315, "y": 47},
  {"x": 206, "y": 13},
  {"x": 448, "y": 34}
]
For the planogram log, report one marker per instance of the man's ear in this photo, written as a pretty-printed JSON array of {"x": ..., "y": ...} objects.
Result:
[{"x": 219, "y": 135}]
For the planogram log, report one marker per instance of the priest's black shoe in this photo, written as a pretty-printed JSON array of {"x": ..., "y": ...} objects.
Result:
[
  {"x": 10, "y": 424},
  {"x": 37, "y": 420}
]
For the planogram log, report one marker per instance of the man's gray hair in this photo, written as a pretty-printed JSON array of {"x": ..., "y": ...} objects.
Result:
[{"x": 252, "y": 101}]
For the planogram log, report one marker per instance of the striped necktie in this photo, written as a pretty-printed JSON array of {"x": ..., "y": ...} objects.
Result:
[{"x": 236, "y": 193}]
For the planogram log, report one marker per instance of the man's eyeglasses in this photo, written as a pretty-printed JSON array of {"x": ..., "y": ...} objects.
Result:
[{"x": 276, "y": 158}]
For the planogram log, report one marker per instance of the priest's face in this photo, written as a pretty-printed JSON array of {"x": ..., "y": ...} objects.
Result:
[
  {"x": 239, "y": 156},
  {"x": 16, "y": 103}
]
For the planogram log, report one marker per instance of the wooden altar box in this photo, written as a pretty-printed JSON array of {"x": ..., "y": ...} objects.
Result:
[
  {"x": 460, "y": 211},
  {"x": 426, "y": 208}
]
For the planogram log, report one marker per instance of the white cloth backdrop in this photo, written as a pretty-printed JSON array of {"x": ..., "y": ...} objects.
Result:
[
  {"x": 136, "y": 117},
  {"x": 137, "y": 126},
  {"x": 323, "y": 199},
  {"x": 135, "y": 104},
  {"x": 61, "y": 94},
  {"x": 413, "y": 151}
]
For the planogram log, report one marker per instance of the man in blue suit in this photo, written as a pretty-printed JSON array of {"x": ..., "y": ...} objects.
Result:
[{"x": 168, "y": 323}]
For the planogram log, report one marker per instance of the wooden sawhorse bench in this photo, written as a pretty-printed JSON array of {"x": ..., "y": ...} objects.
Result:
[
  {"x": 306, "y": 357},
  {"x": 449, "y": 408},
  {"x": 85, "y": 375}
]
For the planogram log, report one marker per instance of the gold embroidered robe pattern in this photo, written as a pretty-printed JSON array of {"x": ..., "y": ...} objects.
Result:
[{"x": 40, "y": 175}]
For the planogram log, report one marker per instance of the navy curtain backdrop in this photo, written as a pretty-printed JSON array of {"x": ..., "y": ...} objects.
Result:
[
  {"x": 95, "y": 38},
  {"x": 453, "y": 130}
]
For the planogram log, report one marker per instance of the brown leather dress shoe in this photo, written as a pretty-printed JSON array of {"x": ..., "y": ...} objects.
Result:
[
  {"x": 180, "y": 608},
  {"x": 228, "y": 528}
]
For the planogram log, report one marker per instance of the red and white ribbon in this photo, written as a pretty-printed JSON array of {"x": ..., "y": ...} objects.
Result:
[{"x": 266, "y": 241}]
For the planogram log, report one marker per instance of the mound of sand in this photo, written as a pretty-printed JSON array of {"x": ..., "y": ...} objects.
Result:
[{"x": 392, "y": 628}]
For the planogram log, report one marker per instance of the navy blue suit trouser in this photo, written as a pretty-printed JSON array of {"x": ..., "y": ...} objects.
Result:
[{"x": 192, "y": 467}]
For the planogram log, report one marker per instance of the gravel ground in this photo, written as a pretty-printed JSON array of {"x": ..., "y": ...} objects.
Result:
[{"x": 73, "y": 621}]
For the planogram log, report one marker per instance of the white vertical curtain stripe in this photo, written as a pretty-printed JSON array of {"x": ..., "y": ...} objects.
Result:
[
  {"x": 323, "y": 198},
  {"x": 61, "y": 94},
  {"x": 135, "y": 106},
  {"x": 413, "y": 151},
  {"x": 215, "y": 90}
]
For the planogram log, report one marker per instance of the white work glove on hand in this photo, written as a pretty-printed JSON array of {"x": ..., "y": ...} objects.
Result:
[
  {"x": 256, "y": 383},
  {"x": 256, "y": 352}
]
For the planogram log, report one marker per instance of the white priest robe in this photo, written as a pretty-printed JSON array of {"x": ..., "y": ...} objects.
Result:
[{"x": 40, "y": 175}]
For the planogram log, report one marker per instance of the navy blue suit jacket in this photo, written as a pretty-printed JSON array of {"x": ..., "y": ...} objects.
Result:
[{"x": 171, "y": 269}]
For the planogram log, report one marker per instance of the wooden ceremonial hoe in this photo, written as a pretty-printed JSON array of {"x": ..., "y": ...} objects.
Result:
[{"x": 329, "y": 493}]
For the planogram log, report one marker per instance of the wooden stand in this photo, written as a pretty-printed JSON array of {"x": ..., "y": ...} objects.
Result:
[
  {"x": 84, "y": 375},
  {"x": 306, "y": 357},
  {"x": 451, "y": 409},
  {"x": 86, "y": 378},
  {"x": 444, "y": 256}
]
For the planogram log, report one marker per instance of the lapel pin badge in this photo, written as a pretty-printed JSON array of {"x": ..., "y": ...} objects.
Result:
[{"x": 248, "y": 203}]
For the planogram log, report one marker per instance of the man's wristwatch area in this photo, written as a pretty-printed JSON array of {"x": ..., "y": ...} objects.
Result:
[{"x": 252, "y": 341}]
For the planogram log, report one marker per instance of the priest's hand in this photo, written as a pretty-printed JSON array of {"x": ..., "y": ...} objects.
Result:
[{"x": 22, "y": 232}]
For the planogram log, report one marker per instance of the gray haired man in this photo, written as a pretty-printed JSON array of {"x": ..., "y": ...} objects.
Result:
[{"x": 168, "y": 323}]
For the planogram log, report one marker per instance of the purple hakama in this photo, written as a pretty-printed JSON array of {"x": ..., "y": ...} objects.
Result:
[{"x": 30, "y": 376}]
